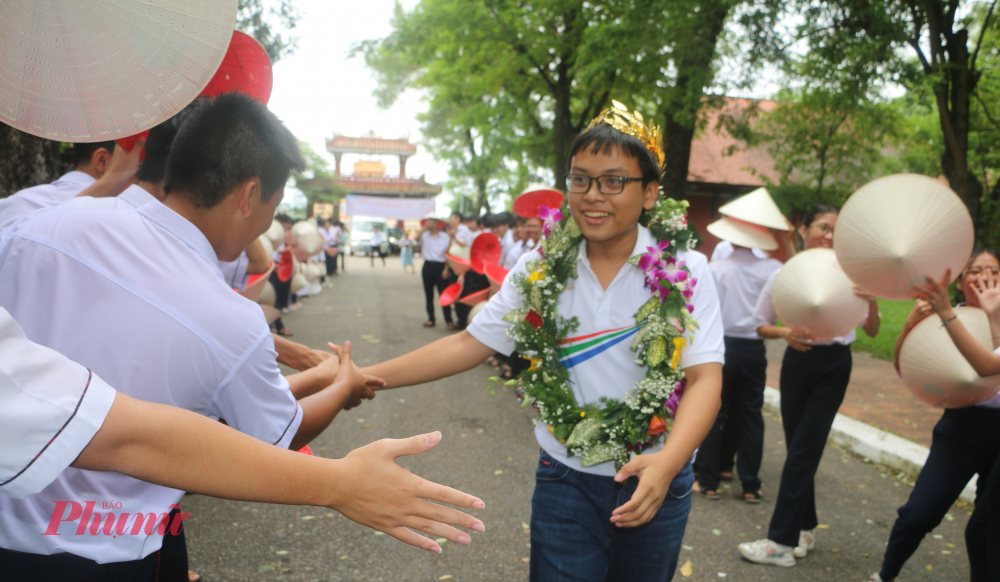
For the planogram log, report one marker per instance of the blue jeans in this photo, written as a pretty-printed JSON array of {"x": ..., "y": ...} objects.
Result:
[{"x": 573, "y": 539}]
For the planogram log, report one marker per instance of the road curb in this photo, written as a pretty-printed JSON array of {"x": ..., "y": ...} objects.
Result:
[{"x": 878, "y": 445}]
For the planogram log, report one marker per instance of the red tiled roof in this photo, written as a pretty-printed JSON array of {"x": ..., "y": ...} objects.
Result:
[{"x": 709, "y": 162}]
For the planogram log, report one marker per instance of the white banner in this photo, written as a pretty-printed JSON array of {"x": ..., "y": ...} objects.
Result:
[{"x": 393, "y": 208}]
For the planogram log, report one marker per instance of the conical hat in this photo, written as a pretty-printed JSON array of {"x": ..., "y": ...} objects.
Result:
[
  {"x": 496, "y": 275},
  {"x": 475, "y": 298},
  {"x": 246, "y": 68},
  {"x": 896, "y": 231},
  {"x": 308, "y": 239},
  {"x": 450, "y": 294},
  {"x": 256, "y": 285},
  {"x": 267, "y": 294},
  {"x": 743, "y": 233},
  {"x": 535, "y": 196},
  {"x": 814, "y": 297},
  {"x": 299, "y": 282},
  {"x": 486, "y": 250},
  {"x": 268, "y": 247},
  {"x": 458, "y": 258},
  {"x": 275, "y": 234},
  {"x": 756, "y": 207},
  {"x": 936, "y": 372},
  {"x": 93, "y": 71},
  {"x": 270, "y": 313},
  {"x": 286, "y": 266}
]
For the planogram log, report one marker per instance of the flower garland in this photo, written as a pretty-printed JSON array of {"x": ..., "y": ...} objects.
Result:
[{"x": 610, "y": 429}]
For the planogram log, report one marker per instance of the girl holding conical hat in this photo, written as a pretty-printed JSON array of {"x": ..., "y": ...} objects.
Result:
[
  {"x": 966, "y": 440},
  {"x": 814, "y": 378},
  {"x": 605, "y": 308}
]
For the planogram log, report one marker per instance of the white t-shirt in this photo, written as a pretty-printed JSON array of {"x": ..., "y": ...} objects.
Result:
[
  {"x": 725, "y": 249},
  {"x": 132, "y": 197},
  {"x": 26, "y": 201},
  {"x": 377, "y": 238},
  {"x": 161, "y": 327},
  {"x": 50, "y": 408},
  {"x": 739, "y": 280},
  {"x": 434, "y": 247},
  {"x": 607, "y": 368},
  {"x": 513, "y": 254}
]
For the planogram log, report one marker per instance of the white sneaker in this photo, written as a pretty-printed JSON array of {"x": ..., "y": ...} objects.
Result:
[
  {"x": 807, "y": 541},
  {"x": 768, "y": 552},
  {"x": 876, "y": 577}
]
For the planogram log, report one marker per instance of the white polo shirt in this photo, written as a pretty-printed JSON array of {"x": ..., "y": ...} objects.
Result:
[
  {"x": 607, "y": 368},
  {"x": 50, "y": 409},
  {"x": 434, "y": 247},
  {"x": 132, "y": 197},
  {"x": 162, "y": 327},
  {"x": 24, "y": 202},
  {"x": 739, "y": 280},
  {"x": 725, "y": 249}
]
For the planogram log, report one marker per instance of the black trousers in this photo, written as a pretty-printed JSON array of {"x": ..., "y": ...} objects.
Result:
[
  {"x": 331, "y": 263},
  {"x": 377, "y": 249},
  {"x": 431, "y": 273},
  {"x": 966, "y": 442},
  {"x": 813, "y": 385},
  {"x": 992, "y": 519},
  {"x": 473, "y": 282},
  {"x": 282, "y": 290},
  {"x": 743, "y": 378}
]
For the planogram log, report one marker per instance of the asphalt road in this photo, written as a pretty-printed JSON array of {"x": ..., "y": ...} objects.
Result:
[{"x": 489, "y": 450}]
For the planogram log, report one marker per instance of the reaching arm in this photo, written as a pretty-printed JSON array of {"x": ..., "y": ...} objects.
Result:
[
  {"x": 123, "y": 170},
  {"x": 259, "y": 262},
  {"x": 445, "y": 357},
  {"x": 177, "y": 448},
  {"x": 300, "y": 357},
  {"x": 921, "y": 310},
  {"x": 874, "y": 320}
]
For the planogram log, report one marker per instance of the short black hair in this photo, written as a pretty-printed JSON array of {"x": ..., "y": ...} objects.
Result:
[
  {"x": 605, "y": 139},
  {"x": 458, "y": 214},
  {"x": 223, "y": 143},
  {"x": 817, "y": 210},
  {"x": 158, "y": 146},
  {"x": 82, "y": 152},
  {"x": 284, "y": 218}
]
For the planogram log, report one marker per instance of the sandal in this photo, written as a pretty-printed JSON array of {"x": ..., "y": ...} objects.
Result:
[
  {"x": 429, "y": 323},
  {"x": 753, "y": 498},
  {"x": 726, "y": 476},
  {"x": 452, "y": 326},
  {"x": 713, "y": 495}
]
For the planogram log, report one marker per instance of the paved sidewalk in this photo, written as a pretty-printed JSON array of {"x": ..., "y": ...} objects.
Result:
[{"x": 875, "y": 396}]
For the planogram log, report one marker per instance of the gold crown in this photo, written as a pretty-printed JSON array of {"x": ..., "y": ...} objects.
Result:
[{"x": 633, "y": 124}]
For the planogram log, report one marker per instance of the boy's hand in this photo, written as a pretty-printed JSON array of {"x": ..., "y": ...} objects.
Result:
[
  {"x": 379, "y": 493},
  {"x": 655, "y": 477},
  {"x": 350, "y": 379},
  {"x": 937, "y": 294},
  {"x": 987, "y": 291}
]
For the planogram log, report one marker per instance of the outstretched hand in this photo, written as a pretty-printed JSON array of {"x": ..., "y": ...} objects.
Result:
[
  {"x": 921, "y": 310},
  {"x": 350, "y": 378},
  {"x": 654, "y": 483},
  {"x": 375, "y": 491},
  {"x": 987, "y": 291},
  {"x": 935, "y": 293}
]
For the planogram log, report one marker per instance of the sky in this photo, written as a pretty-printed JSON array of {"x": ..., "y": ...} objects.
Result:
[{"x": 318, "y": 90}]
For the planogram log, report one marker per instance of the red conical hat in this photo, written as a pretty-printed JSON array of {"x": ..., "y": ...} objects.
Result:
[
  {"x": 496, "y": 274},
  {"x": 440, "y": 223},
  {"x": 486, "y": 250},
  {"x": 535, "y": 196},
  {"x": 474, "y": 298},
  {"x": 450, "y": 294},
  {"x": 458, "y": 258},
  {"x": 246, "y": 68},
  {"x": 286, "y": 266}
]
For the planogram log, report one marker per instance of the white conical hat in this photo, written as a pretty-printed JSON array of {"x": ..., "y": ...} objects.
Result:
[
  {"x": 757, "y": 207},
  {"x": 307, "y": 238},
  {"x": 270, "y": 313},
  {"x": 275, "y": 234},
  {"x": 476, "y": 310},
  {"x": 896, "y": 231},
  {"x": 266, "y": 243},
  {"x": 814, "y": 297},
  {"x": 936, "y": 372},
  {"x": 255, "y": 290},
  {"x": 298, "y": 282},
  {"x": 267, "y": 294},
  {"x": 105, "y": 69},
  {"x": 743, "y": 233},
  {"x": 458, "y": 258}
]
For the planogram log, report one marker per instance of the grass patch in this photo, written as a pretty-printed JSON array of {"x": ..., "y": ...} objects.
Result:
[{"x": 893, "y": 317}]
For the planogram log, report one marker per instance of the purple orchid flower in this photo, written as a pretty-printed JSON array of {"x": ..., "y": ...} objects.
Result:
[{"x": 549, "y": 216}]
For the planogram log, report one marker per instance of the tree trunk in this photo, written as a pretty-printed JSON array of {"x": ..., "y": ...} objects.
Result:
[{"x": 26, "y": 160}]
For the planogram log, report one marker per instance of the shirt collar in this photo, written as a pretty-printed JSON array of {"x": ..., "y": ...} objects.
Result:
[
  {"x": 183, "y": 229},
  {"x": 76, "y": 177},
  {"x": 642, "y": 241},
  {"x": 137, "y": 196}
]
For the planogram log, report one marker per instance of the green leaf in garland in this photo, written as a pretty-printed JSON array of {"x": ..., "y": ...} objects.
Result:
[
  {"x": 585, "y": 432},
  {"x": 571, "y": 227},
  {"x": 516, "y": 316},
  {"x": 562, "y": 431},
  {"x": 536, "y": 297},
  {"x": 657, "y": 351},
  {"x": 602, "y": 453},
  {"x": 647, "y": 309}
]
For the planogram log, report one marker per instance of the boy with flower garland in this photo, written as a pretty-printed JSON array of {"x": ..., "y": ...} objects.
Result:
[{"x": 600, "y": 511}]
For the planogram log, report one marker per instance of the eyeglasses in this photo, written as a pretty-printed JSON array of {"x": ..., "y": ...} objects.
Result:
[
  {"x": 580, "y": 184},
  {"x": 977, "y": 271},
  {"x": 823, "y": 228}
]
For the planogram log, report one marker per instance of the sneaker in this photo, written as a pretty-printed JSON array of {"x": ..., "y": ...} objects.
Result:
[
  {"x": 876, "y": 577},
  {"x": 768, "y": 552},
  {"x": 807, "y": 541}
]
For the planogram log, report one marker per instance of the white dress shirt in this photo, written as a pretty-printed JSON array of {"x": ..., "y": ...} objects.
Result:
[
  {"x": 26, "y": 201},
  {"x": 377, "y": 238},
  {"x": 725, "y": 249},
  {"x": 463, "y": 234},
  {"x": 505, "y": 244},
  {"x": 433, "y": 247},
  {"x": 608, "y": 368},
  {"x": 235, "y": 272},
  {"x": 739, "y": 280},
  {"x": 764, "y": 314},
  {"x": 132, "y": 197},
  {"x": 161, "y": 327},
  {"x": 50, "y": 408},
  {"x": 513, "y": 254}
]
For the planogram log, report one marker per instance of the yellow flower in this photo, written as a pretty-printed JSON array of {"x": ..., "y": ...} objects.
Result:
[
  {"x": 537, "y": 275},
  {"x": 536, "y": 363},
  {"x": 552, "y": 429},
  {"x": 583, "y": 413},
  {"x": 679, "y": 344}
]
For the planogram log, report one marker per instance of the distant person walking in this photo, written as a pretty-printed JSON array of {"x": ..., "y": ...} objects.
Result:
[
  {"x": 406, "y": 244},
  {"x": 376, "y": 245},
  {"x": 433, "y": 245}
]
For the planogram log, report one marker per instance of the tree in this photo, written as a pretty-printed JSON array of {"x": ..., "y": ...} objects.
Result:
[
  {"x": 268, "y": 23},
  {"x": 317, "y": 181}
]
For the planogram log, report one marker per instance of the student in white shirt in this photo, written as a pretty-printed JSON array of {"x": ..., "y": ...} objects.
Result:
[
  {"x": 168, "y": 330},
  {"x": 579, "y": 538},
  {"x": 458, "y": 231},
  {"x": 814, "y": 378},
  {"x": 91, "y": 159},
  {"x": 55, "y": 412},
  {"x": 517, "y": 248},
  {"x": 434, "y": 244},
  {"x": 378, "y": 237},
  {"x": 739, "y": 428}
]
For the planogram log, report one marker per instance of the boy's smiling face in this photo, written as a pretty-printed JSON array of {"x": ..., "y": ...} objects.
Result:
[{"x": 605, "y": 218}]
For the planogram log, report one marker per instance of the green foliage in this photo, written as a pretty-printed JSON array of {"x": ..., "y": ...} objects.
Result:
[
  {"x": 882, "y": 346},
  {"x": 316, "y": 182},
  {"x": 270, "y": 25}
]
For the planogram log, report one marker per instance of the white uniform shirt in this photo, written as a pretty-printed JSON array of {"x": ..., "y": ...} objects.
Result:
[
  {"x": 739, "y": 281},
  {"x": 377, "y": 238},
  {"x": 725, "y": 249},
  {"x": 235, "y": 272},
  {"x": 463, "y": 234},
  {"x": 764, "y": 314},
  {"x": 161, "y": 327},
  {"x": 132, "y": 197},
  {"x": 31, "y": 199},
  {"x": 434, "y": 247},
  {"x": 513, "y": 254},
  {"x": 505, "y": 244},
  {"x": 50, "y": 408},
  {"x": 608, "y": 368}
]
